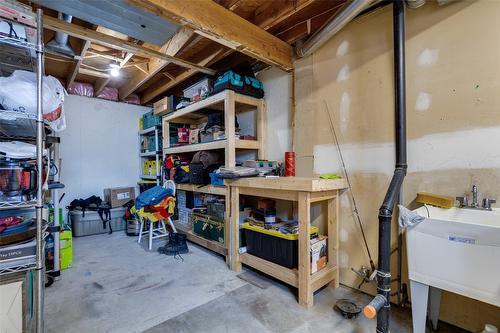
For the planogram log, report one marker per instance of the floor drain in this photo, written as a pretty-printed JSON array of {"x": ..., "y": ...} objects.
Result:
[{"x": 347, "y": 308}]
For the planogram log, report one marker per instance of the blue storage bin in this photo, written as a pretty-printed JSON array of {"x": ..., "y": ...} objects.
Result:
[{"x": 215, "y": 180}]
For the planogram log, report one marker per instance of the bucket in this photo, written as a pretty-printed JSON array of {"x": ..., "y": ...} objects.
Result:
[{"x": 133, "y": 227}]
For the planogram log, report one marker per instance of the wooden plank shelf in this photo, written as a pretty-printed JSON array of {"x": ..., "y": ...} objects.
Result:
[
  {"x": 149, "y": 177},
  {"x": 215, "y": 102},
  {"x": 219, "y": 144},
  {"x": 195, "y": 114},
  {"x": 191, "y": 236},
  {"x": 287, "y": 275},
  {"x": 208, "y": 189}
]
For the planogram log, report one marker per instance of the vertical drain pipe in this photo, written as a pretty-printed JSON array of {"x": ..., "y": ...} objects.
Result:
[{"x": 380, "y": 305}]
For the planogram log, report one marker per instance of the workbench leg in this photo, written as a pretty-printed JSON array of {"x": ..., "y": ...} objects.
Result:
[
  {"x": 333, "y": 237},
  {"x": 304, "y": 212},
  {"x": 234, "y": 223}
]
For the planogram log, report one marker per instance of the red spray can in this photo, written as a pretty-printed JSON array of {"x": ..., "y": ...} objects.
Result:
[{"x": 289, "y": 164}]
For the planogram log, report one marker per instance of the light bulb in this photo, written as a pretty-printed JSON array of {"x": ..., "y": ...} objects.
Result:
[{"x": 115, "y": 72}]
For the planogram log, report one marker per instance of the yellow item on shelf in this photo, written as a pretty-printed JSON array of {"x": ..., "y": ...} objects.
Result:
[
  {"x": 145, "y": 168},
  {"x": 66, "y": 249},
  {"x": 435, "y": 200}
]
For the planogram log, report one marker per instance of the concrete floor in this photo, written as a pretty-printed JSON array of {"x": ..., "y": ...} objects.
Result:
[{"x": 118, "y": 286}]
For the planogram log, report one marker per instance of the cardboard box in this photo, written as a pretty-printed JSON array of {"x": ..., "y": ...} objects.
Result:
[
  {"x": 166, "y": 105},
  {"x": 319, "y": 253},
  {"x": 118, "y": 196}
]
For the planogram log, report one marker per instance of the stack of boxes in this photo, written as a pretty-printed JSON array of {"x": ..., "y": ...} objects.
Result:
[{"x": 183, "y": 212}]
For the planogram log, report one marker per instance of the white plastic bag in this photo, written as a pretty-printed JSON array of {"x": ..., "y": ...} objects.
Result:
[
  {"x": 408, "y": 218},
  {"x": 18, "y": 93}
]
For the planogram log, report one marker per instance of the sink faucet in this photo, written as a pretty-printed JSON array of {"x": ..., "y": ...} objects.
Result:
[
  {"x": 474, "y": 196},
  {"x": 463, "y": 201}
]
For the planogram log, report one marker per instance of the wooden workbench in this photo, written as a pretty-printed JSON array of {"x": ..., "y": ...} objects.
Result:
[{"x": 304, "y": 191}]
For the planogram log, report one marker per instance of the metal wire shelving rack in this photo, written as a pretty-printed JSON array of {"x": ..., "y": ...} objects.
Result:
[{"x": 29, "y": 128}]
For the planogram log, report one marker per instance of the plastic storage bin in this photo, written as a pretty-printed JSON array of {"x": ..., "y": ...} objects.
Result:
[
  {"x": 215, "y": 179},
  {"x": 274, "y": 246},
  {"x": 91, "y": 223},
  {"x": 149, "y": 119}
]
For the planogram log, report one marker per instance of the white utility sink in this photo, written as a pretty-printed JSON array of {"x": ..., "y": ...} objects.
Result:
[{"x": 457, "y": 250}]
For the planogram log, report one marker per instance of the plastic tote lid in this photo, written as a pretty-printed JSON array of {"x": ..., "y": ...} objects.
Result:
[{"x": 18, "y": 150}]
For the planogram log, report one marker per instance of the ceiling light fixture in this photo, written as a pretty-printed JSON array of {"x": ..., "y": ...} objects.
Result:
[
  {"x": 115, "y": 72},
  {"x": 115, "y": 68}
]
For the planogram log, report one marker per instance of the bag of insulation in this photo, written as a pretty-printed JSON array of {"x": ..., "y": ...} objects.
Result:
[{"x": 18, "y": 93}]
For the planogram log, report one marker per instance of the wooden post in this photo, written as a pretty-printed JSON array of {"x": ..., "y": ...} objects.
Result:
[
  {"x": 304, "y": 212},
  {"x": 262, "y": 130},
  {"x": 333, "y": 240},
  {"x": 227, "y": 226},
  {"x": 166, "y": 134},
  {"x": 234, "y": 225},
  {"x": 229, "y": 118}
]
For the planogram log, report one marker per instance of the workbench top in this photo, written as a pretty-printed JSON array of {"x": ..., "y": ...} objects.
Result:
[{"x": 302, "y": 184}]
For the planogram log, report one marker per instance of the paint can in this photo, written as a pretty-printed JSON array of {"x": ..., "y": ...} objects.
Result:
[{"x": 289, "y": 164}]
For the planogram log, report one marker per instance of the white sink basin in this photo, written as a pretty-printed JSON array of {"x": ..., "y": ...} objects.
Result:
[{"x": 457, "y": 250}]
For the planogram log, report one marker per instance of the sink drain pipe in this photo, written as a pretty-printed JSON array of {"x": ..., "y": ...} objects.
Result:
[{"x": 380, "y": 305}]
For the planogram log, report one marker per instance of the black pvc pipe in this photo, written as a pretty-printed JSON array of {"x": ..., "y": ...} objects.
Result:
[
  {"x": 382, "y": 301},
  {"x": 400, "y": 81}
]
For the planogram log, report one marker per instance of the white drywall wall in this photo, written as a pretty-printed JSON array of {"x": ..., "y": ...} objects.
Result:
[
  {"x": 278, "y": 92},
  {"x": 99, "y": 148}
]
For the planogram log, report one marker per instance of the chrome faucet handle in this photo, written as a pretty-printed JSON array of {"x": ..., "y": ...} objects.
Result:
[
  {"x": 462, "y": 201},
  {"x": 487, "y": 203}
]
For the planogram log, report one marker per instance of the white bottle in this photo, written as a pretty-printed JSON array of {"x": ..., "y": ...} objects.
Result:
[{"x": 489, "y": 329}]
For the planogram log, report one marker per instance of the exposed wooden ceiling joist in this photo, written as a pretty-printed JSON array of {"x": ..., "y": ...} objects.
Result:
[
  {"x": 76, "y": 66},
  {"x": 277, "y": 11},
  {"x": 92, "y": 72},
  {"x": 215, "y": 22},
  {"x": 116, "y": 43},
  {"x": 156, "y": 90},
  {"x": 171, "y": 48},
  {"x": 278, "y": 17}
]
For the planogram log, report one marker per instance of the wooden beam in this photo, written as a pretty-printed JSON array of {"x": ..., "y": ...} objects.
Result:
[
  {"x": 171, "y": 48},
  {"x": 277, "y": 11},
  {"x": 76, "y": 66},
  {"x": 92, "y": 72},
  {"x": 77, "y": 31},
  {"x": 107, "y": 55},
  {"x": 277, "y": 17},
  {"x": 156, "y": 90},
  {"x": 139, "y": 67},
  {"x": 215, "y": 22}
]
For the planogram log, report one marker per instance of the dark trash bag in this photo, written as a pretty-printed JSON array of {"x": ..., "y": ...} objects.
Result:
[{"x": 93, "y": 203}]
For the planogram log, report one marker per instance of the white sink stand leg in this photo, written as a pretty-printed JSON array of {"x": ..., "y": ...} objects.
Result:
[
  {"x": 434, "y": 304},
  {"x": 419, "y": 297},
  {"x": 419, "y": 300}
]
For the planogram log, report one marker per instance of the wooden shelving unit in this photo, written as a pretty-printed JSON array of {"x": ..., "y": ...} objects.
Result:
[
  {"x": 231, "y": 103},
  {"x": 303, "y": 191}
]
